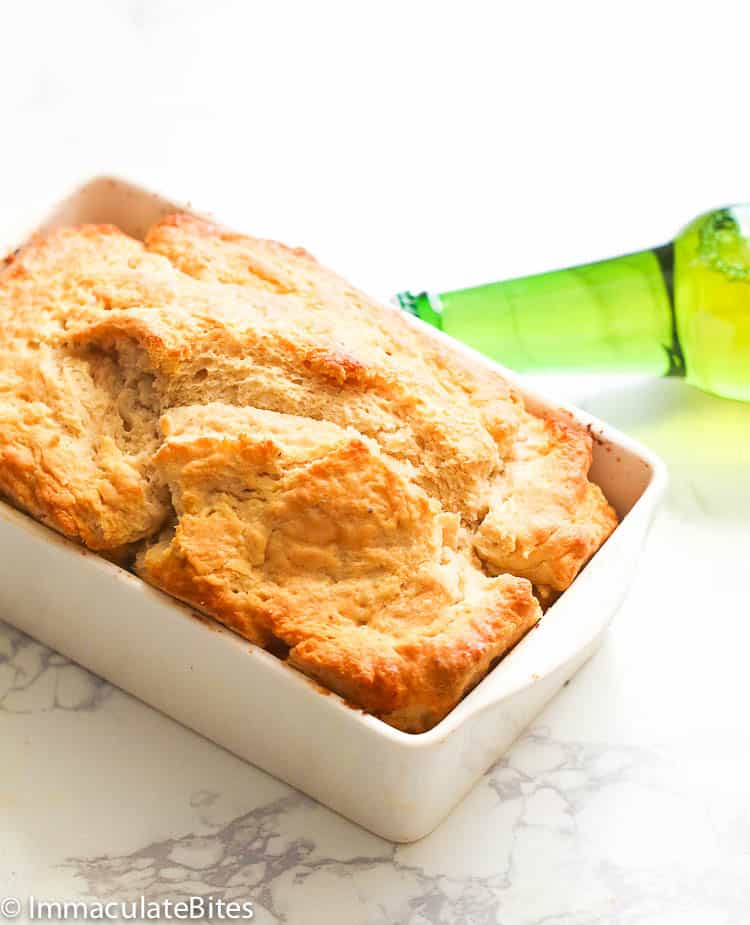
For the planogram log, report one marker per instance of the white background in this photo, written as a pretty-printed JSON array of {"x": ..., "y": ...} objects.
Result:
[
  {"x": 421, "y": 145},
  {"x": 412, "y": 144}
]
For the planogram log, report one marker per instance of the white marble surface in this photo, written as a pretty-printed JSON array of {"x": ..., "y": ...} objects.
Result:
[{"x": 387, "y": 141}]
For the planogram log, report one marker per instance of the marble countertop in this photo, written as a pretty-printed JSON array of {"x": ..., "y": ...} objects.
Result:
[
  {"x": 627, "y": 801},
  {"x": 398, "y": 143}
]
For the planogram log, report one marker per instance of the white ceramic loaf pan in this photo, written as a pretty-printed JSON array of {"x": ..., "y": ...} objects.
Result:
[{"x": 399, "y": 786}]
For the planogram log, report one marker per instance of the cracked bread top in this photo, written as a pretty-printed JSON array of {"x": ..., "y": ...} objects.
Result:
[{"x": 289, "y": 456}]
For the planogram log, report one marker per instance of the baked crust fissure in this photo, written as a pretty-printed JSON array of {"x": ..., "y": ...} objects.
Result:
[{"x": 258, "y": 438}]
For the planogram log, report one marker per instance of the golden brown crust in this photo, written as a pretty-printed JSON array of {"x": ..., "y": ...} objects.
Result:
[
  {"x": 76, "y": 432},
  {"x": 305, "y": 534},
  {"x": 545, "y": 519},
  {"x": 293, "y": 458}
]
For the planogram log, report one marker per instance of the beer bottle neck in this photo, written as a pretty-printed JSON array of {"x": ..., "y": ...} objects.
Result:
[{"x": 615, "y": 315}]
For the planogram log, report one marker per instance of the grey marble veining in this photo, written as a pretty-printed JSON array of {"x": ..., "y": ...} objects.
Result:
[
  {"x": 33, "y": 678},
  {"x": 538, "y": 806}
]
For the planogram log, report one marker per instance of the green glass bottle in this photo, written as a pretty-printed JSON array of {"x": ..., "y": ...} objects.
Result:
[{"x": 678, "y": 310}]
